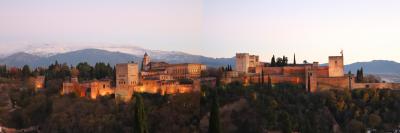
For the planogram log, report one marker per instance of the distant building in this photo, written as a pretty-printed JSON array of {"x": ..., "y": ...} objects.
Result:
[
  {"x": 89, "y": 89},
  {"x": 176, "y": 71},
  {"x": 244, "y": 61},
  {"x": 154, "y": 77},
  {"x": 313, "y": 76},
  {"x": 185, "y": 70}
]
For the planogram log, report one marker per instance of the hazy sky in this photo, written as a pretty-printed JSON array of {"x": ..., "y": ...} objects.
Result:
[{"x": 313, "y": 29}]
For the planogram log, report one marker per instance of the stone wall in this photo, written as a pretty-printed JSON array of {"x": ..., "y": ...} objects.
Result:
[
  {"x": 323, "y": 71},
  {"x": 377, "y": 85},
  {"x": 294, "y": 70},
  {"x": 273, "y": 70},
  {"x": 333, "y": 83},
  {"x": 275, "y": 79}
]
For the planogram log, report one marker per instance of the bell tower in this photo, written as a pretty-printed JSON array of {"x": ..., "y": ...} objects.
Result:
[{"x": 145, "y": 61}]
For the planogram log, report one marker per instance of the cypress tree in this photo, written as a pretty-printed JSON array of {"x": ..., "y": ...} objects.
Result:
[
  {"x": 269, "y": 82},
  {"x": 273, "y": 62},
  {"x": 214, "y": 124},
  {"x": 358, "y": 76},
  {"x": 262, "y": 76},
  {"x": 294, "y": 59},
  {"x": 361, "y": 74},
  {"x": 140, "y": 116}
]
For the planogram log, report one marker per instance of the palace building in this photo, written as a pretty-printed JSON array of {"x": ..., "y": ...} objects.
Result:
[
  {"x": 154, "y": 77},
  {"x": 314, "y": 77}
]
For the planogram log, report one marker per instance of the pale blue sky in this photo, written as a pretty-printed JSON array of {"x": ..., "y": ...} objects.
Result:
[{"x": 314, "y": 29}]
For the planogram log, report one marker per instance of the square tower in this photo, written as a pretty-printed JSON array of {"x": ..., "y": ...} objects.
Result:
[
  {"x": 245, "y": 60},
  {"x": 127, "y": 74},
  {"x": 336, "y": 66}
]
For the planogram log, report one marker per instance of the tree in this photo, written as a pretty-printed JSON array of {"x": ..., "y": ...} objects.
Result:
[
  {"x": 294, "y": 59},
  {"x": 101, "y": 71},
  {"x": 140, "y": 116},
  {"x": 273, "y": 62},
  {"x": 262, "y": 77},
  {"x": 374, "y": 120},
  {"x": 26, "y": 71},
  {"x": 361, "y": 74},
  {"x": 214, "y": 124},
  {"x": 355, "y": 126},
  {"x": 269, "y": 82},
  {"x": 3, "y": 70},
  {"x": 85, "y": 71},
  {"x": 286, "y": 124}
]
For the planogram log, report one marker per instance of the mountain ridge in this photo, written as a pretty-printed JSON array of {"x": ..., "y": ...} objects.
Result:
[
  {"x": 114, "y": 55},
  {"x": 93, "y": 55}
]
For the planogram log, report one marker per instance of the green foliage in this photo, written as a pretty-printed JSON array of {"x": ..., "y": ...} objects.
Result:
[
  {"x": 273, "y": 62},
  {"x": 3, "y": 71},
  {"x": 308, "y": 112},
  {"x": 214, "y": 123},
  {"x": 57, "y": 71},
  {"x": 101, "y": 71},
  {"x": 280, "y": 62},
  {"x": 140, "y": 116},
  {"x": 355, "y": 126},
  {"x": 26, "y": 71},
  {"x": 294, "y": 59},
  {"x": 360, "y": 75},
  {"x": 85, "y": 71},
  {"x": 286, "y": 123}
]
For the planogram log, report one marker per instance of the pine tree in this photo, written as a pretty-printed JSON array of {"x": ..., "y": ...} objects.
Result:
[
  {"x": 273, "y": 62},
  {"x": 214, "y": 124},
  {"x": 140, "y": 116}
]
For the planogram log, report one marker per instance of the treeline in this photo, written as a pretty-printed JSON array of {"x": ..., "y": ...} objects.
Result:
[
  {"x": 70, "y": 114},
  {"x": 289, "y": 108},
  {"x": 366, "y": 78},
  {"x": 60, "y": 71}
]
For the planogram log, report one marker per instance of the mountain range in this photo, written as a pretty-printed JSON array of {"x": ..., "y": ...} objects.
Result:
[
  {"x": 112, "y": 55},
  {"x": 40, "y": 56}
]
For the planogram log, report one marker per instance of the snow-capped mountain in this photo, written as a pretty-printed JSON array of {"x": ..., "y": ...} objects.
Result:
[
  {"x": 47, "y": 50},
  {"x": 138, "y": 51},
  {"x": 46, "y": 54}
]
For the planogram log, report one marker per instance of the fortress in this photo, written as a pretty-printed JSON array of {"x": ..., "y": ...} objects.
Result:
[
  {"x": 152, "y": 77},
  {"x": 314, "y": 77},
  {"x": 164, "y": 78}
]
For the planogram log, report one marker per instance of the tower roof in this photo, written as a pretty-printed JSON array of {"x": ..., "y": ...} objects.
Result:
[{"x": 145, "y": 54}]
